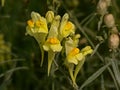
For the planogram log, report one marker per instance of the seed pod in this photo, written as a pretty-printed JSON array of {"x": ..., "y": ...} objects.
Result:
[
  {"x": 113, "y": 41},
  {"x": 109, "y": 20}
]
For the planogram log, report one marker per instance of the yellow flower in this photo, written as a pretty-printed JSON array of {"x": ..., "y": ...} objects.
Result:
[
  {"x": 66, "y": 27},
  {"x": 37, "y": 25},
  {"x": 87, "y": 50},
  {"x": 53, "y": 44},
  {"x": 74, "y": 56}
]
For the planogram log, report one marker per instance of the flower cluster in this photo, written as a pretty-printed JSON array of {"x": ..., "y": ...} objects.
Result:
[{"x": 55, "y": 34}]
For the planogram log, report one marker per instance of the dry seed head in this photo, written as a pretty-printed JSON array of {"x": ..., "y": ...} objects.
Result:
[
  {"x": 113, "y": 41},
  {"x": 109, "y": 20}
]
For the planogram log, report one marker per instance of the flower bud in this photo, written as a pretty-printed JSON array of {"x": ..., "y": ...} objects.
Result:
[
  {"x": 102, "y": 7},
  {"x": 113, "y": 41},
  {"x": 53, "y": 32},
  {"x": 49, "y": 16},
  {"x": 109, "y": 20}
]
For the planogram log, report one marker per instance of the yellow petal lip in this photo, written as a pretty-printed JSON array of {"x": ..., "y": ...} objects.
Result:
[
  {"x": 79, "y": 56},
  {"x": 68, "y": 29},
  {"x": 72, "y": 60},
  {"x": 74, "y": 51},
  {"x": 56, "y": 48},
  {"x": 74, "y": 56},
  {"x": 87, "y": 50},
  {"x": 53, "y": 40},
  {"x": 68, "y": 25},
  {"x": 30, "y": 23},
  {"x": 53, "y": 44}
]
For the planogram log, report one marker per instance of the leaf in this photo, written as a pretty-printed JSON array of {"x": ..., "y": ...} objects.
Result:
[
  {"x": 12, "y": 70},
  {"x": 94, "y": 76},
  {"x": 13, "y": 60},
  {"x": 116, "y": 70}
]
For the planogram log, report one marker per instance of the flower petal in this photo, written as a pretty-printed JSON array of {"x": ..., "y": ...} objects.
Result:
[
  {"x": 56, "y": 48},
  {"x": 79, "y": 56},
  {"x": 72, "y": 60}
]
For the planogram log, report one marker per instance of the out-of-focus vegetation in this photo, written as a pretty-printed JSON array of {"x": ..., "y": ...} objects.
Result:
[{"x": 20, "y": 54}]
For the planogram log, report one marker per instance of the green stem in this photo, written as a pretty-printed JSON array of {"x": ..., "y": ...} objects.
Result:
[
  {"x": 42, "y": 55},
  {"x": 100, "y": 22}
]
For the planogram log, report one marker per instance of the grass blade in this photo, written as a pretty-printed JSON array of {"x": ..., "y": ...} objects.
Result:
[
  {"x": 13, "y": 60},
  {"x": 12, "y": 70},
  {"x": 116, "y": 70},
  {"x": 94, "y": 76}
]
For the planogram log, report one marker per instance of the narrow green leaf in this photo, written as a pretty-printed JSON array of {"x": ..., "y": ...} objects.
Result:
[
  {"x": 116, "y": 70},
  {"x": 94, "y": 76},
  {"x": 13, "y": 60},
  {"x": 12, "y": 70},
  {"x": 95, "y": 49}
]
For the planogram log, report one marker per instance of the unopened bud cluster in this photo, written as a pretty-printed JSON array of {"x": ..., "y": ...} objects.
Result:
[
  {"x": 113, "y": 39},
  {"x": 109, "y": 21}
]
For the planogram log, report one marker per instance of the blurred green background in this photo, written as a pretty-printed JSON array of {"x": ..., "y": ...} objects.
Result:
[{"x": 20, "y": 55}]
